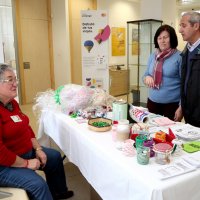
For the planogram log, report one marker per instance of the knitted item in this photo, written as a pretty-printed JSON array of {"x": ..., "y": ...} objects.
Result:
[{"x": 160, "y": 57}]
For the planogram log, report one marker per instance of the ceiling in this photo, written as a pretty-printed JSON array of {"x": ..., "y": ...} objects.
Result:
[{"x": 183, "y": 2}]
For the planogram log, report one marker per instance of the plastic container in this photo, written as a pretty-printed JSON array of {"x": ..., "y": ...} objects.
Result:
[
  {"x": 120, "y": 110},
  {"x": 162, "y": 153},
  {"x": 122, "y": 130}
]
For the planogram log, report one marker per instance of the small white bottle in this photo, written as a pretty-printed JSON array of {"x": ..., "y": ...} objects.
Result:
[{"x": 122, "y": 130}]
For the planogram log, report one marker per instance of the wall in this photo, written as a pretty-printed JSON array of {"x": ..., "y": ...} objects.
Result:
[
  {"x": 120, "y": 11},
  {"x": 61, "y": 44},
  {"x": 163, "y": 10},
  {"x": 151, "y": 9}
]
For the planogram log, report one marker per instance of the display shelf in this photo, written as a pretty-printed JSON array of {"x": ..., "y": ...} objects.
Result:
[{"x": 139, "y": 47}]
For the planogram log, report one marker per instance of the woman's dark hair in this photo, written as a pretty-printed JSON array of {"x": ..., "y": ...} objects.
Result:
[{"x": 172, "y": 36}]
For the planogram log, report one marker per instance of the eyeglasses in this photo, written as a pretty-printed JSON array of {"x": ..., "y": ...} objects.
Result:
[{"x": 10, "y": 81}]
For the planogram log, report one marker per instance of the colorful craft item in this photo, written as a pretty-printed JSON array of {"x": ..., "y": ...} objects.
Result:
[
  {"x": 103, "y": 34},
  {"x": 191, "y": 147},
  {"x": 100, "y": 124},
  {"x": 73, "y": 115},
  {"x": 57, "y": 94},
  {"x": 88, "y": 44},
  {"x": 161, "y": 136}
]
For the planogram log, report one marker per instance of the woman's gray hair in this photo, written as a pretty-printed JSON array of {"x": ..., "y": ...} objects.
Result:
[
  {"x": 194, "y": 17},
  {"x": 4, "y": 67}
]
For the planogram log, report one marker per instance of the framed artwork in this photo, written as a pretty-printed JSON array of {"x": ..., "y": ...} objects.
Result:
[{"x": 118, "y": 41}]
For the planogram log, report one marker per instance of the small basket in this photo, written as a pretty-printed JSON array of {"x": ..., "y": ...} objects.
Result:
[{"x": 100, "y": 129}]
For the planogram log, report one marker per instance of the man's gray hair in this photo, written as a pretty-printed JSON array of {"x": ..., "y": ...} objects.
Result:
[
  {"x": 194, "y": 17},
  {"x": 4, "y": 67}
]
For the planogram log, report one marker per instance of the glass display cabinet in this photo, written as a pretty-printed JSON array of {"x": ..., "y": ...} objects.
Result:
[{"x": 140, "y": 44}]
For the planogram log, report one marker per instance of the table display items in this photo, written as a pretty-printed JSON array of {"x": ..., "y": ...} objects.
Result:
[
  {"x": 138, "y": 128},
  {"x": 174, "y": 169},
  {"x": 177, "y": 147},
  {"x": 138, "y": 114},
  {"x": 162, "y": 153},
  {"x": 151, "y": 136},
  {"x": 186, "y": 132},
  {"x": 120, "y": 110},
  {"x": 122, "y": 130},
  {"x": 128, "y": 149},
  {"x": 163, "y": 137},
  {"x": 143, "y": 155},
  {"x": 193, "y": 159},
  {"x": 150, "y": 143},
  {"x": 100, "y": 124},
  {"x": 191, "y": 147},
  {"x": 71, "y": 98},
  {"x": 139, "y": 140}
]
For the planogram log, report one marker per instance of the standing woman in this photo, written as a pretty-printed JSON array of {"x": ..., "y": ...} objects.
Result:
[
  {"x": 163, "y": 75},
  {"x": 20, "y": 152}
]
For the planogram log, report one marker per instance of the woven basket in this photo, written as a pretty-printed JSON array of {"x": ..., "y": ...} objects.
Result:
[{"x": 100, "y": 129}]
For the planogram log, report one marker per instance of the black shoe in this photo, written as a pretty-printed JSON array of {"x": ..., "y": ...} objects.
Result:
[{"x": 66, "y": 195}]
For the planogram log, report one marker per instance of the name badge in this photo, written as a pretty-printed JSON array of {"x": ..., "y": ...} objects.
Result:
[{"x": 16, "y": 118}]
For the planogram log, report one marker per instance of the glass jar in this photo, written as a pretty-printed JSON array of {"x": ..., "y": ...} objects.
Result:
[
  {"x": 149, "y": 143},
  {"x": 143, "y": 154},
  {"x": 162, "y": 153}
]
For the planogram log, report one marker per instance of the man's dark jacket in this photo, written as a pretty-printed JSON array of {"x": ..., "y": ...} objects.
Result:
[{"x": 190, "y": 96}]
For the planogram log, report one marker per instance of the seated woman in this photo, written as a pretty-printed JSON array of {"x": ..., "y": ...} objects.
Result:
[{"x": 20, "y": 152}]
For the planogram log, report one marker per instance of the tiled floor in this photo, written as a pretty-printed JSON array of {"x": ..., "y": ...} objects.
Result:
[{"x": 75, "y": 180}]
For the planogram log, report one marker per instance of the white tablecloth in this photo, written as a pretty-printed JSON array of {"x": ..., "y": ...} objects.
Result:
[{"x": 113, "y": 175}]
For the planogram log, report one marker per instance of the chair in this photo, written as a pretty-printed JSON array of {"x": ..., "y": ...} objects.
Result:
[{"x": 9, "y": 193}]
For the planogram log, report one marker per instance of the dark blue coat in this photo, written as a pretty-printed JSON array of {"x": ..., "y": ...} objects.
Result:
[{"x": 190, "y": 93}]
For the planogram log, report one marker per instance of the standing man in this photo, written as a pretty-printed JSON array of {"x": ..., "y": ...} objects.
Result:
[{"x": 190, "y": 80}]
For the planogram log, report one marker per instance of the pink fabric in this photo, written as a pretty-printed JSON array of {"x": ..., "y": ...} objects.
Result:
[
  {"x": 160, "y": 57},
  {"x": 163, "y": 121}
]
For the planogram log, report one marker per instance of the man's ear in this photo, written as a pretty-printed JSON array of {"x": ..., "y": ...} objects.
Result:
[{"x": 197, "y": 26}]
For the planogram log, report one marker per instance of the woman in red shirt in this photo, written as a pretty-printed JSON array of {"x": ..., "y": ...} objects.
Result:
[{"x": 20, "y": 152}]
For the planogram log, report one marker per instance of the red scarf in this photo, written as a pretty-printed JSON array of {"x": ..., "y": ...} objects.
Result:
[{"x": 160, "y": 57}]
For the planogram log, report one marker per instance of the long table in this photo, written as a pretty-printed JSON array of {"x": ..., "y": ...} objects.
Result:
[{"x": 113, "y": 175}]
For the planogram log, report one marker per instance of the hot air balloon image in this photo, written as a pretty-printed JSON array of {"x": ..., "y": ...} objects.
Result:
[{"x": 88, "y": 44}]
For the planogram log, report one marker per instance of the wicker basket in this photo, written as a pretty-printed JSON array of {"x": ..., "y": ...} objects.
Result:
[{"x": 100, "y": 129}]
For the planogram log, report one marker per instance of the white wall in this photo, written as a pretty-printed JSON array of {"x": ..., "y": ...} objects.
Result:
[
  {"x": 61, "y": 44},
  {"x": 120, "y": 11},
  {"x": 151, "y": 9},
  {"x": 165, "y": 10}
]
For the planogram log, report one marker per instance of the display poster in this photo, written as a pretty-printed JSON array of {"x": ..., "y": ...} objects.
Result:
[
  {"x": 135, "y": 42},
  {"x": 118, "y": 41},
  {"x": 95, "y": 33}
]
